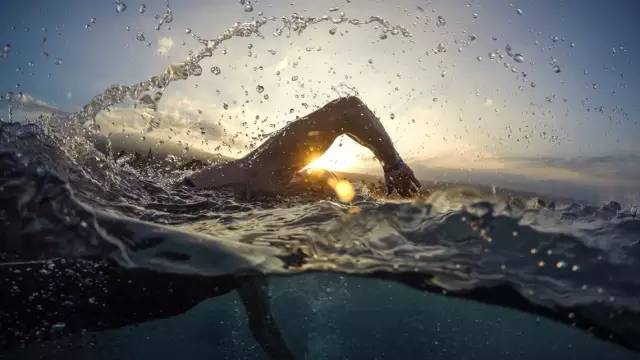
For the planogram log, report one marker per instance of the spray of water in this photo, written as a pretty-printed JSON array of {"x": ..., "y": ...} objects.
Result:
[{"x": 293, "y": 24}]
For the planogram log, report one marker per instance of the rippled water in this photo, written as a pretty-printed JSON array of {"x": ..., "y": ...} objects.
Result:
[{"x": 570, "y": 261}]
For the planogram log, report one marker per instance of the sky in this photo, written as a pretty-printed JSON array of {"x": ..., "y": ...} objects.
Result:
[{"x": 452, "y": 96}]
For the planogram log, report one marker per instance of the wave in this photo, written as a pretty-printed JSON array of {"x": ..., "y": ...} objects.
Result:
[{"x": 63, "y": 197}]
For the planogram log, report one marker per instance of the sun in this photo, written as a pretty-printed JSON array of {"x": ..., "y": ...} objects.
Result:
[{"x": 341, "y": 156}]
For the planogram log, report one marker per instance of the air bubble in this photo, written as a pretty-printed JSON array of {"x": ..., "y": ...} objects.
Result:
[
  {"x": 259, "y": 89},
  {"x": 519, "y": 12},
  {"x": 142, "y": 8},
  {"x": 58, "y": 61},
  {"x": 248, "y": 8},
  {"x": 332, "y": 31},
  {"x": 187, "y": 31},
  {"x": 561, "y": 264},
  {"x": 556, "y": 69}
]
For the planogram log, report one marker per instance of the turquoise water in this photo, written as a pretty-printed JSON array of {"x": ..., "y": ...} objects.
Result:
[{"x": 330, "y": 316}]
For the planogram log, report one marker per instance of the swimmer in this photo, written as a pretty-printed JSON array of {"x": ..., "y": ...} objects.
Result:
[{"x": 277, "y": 162}]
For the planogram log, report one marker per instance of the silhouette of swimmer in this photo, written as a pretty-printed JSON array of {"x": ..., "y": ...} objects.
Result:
[{"x": 272, "y": 166}]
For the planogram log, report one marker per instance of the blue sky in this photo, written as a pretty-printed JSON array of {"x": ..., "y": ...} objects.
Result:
[{"x": 456, "y": 106}]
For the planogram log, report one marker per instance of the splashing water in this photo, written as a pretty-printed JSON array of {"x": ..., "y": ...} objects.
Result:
[{"x": 181, "y": 71}]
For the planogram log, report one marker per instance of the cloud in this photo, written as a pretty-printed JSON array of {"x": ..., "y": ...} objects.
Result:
[
  {"x": 585, "y": 178},
  {"x": 26, "y": 103},
  {"x": 178, "y": 123},
  {"x": 164, "y": 45}
]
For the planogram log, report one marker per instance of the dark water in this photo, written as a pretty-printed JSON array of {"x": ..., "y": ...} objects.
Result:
[
  {"x": 330, "y": 316},
  {"x": 63, "y": 200}
]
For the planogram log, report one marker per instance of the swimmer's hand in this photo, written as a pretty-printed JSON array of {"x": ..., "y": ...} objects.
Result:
[{"x": 400, "y": 178}]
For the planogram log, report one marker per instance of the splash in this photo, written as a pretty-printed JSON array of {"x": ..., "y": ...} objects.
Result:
[{"x": 293, "y": 24}]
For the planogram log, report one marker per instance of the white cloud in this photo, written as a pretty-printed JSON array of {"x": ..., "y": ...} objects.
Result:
[
  {"x": 282, "y": 64},
  {"x": 164, "y": 45},
  {"x": 29, "y": 104}
]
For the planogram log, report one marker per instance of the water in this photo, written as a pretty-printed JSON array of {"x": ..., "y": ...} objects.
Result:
[
  {"x": 337, "y": 312},
  {"x": 76, "y": 211},
  {"x": 569, "y": 261}
]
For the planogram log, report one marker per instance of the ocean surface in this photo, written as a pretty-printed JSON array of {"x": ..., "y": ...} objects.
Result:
[{"x": 79, "y": 223}]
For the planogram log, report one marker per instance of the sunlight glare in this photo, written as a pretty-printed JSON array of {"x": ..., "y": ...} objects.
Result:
[{"x": 337, "y": 158}]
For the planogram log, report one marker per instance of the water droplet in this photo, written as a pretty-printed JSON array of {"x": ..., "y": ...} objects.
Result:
[
  {"x": 127, "y": 27},
  {"x": 120, "y": 6},
  {"x": 332, "y": 31},
  {"x": 441, "y": 21},
  {"x": 572, "y": 44},
  {"x": 248, "y": 8},
  {"x": 533, "y": 84},
  {"x": 88, "y": 27},
  {"x": 575, "y": 268},
  {"x": 142, "y": 8},
  {"x": 561, "y": 264},
  {"x": 92, "y": 20},
  {"x": 259, "y": 89},
  {"x": 479, "y": 58},
  {"x": 58, "y": 61},
  {"x": 392, "y": 116},
  {"x": 140, "y": 36},
  {"x": 475, "y": 15},
  {"x": 294, "y": 78},
  {"x": 215, "y": 70},
  {"x": 595, "y": 86},
  {"x": 266, "y": 96},
  {"x": 492, "y": 55},
  {"x": 556, "y": 69},
  {"x": 555, "y": 39},
  {"x": 441, "y": 48},
  {"x": 370, "y": 61},
  {"x": 519, "y": 12},
  {"x": 518, "y": 58},
  {"x": 195, "y": 70},
  {"x": 187, "y": 30}
]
